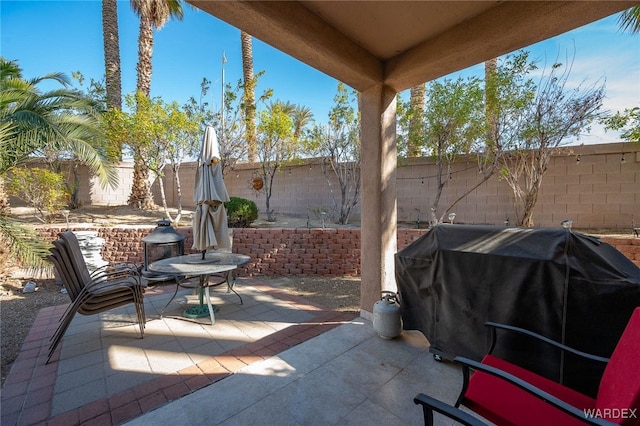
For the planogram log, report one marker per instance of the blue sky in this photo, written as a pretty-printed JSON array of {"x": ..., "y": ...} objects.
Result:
[{"x": 66, "y": 36}]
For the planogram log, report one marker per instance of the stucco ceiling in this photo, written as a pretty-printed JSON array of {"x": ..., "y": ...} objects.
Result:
[{"x": 403, "y": 43}]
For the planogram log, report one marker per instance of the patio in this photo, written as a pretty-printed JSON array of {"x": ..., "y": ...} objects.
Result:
[{"x": 276, "y": 359}]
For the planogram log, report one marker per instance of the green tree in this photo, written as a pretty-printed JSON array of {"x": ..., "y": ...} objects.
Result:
[
  {"x": 276, "y": 145},
  {"x": 626, "y": 122},
  {"x": 153, "y": 14},
  {"x": 233, "y": 145},
  {"x": 61, "y": 119},
  {"x": 547, "y": 121},
  {"x": 138, "y": 131},
  {"x": 127, "y": 129},
  {"x": 451, "y": 122},
  {"x": 171, "y": 132},
  {"x": 339, "y": 144}
]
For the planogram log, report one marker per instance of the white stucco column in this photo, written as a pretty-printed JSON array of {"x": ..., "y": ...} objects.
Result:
[{"x": 379, "y": 201}]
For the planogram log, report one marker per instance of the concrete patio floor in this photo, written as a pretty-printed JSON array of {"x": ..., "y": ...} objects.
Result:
[{"x": 275, "y": 359}]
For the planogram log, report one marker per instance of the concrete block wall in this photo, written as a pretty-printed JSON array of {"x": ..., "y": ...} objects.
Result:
[
  {"x": 598, "y": 191},
  {"x": 302, "y": 251}
]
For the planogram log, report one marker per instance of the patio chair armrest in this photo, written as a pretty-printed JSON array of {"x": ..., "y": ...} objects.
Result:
[
  {"x": 112, "y": 282},
  {"x": 429, "y": 405},
  {"x": 115, "y": 271},
  {"x": 128, "y": 267},
  {"x": 494, "y": 325},
  {"x": 527, "y": 387}
]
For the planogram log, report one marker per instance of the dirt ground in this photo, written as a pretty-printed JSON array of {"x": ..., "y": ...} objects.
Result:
[
  {"x": 108, "y": 216},
  {"x": 18, "y": 310}
]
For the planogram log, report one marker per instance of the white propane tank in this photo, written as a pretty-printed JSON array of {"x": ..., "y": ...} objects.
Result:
[{"x": 386, "y": 316}]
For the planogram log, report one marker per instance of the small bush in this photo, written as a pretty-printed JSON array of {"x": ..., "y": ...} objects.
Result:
[
  {"x": 42, "y": 189},
  {"x": 241, "y": 212}
]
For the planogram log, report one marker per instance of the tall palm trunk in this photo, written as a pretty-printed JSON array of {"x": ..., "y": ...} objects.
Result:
[
  {"x": 249, "y": 96},
  {"x": 141, "y": 197},
  {"x": 491, "y": 105},
  {"x": 145, "y": 52},
  {"x": 111, "y": 53},
  {"x": 416, "y": 102},
  {"x": 153, "y": 14}
]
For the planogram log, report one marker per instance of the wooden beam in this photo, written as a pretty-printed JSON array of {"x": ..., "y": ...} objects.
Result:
[
  {"x": 509, "y": 26},
  {"x": 291, "y": 28}
]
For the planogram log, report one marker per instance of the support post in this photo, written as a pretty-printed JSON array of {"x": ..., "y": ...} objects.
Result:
[{"x": 379, "y": 198}]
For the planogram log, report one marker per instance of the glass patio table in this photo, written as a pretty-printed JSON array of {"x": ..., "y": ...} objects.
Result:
[{"x": 183, "y": 268}]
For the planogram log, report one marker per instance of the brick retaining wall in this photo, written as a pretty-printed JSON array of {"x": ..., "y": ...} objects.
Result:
[{"x": 286, "y": 251}]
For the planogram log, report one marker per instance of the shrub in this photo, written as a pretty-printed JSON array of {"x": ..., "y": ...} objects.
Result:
[
  {"x": 42, "y": 189},
  {"x": 241, "y": 212}
]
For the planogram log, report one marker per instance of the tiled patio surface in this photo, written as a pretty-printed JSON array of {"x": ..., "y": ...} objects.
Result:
[{"x": 105, "y": 374}]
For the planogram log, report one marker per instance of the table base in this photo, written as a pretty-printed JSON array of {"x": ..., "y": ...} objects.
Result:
[{"x": 199, "y": 311}]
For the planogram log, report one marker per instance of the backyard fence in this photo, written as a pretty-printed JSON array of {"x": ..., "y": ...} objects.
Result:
[{"x": 594, "y": 186}]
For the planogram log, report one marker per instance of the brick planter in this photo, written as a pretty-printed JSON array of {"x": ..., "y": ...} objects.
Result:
[{"x": 285, "y": 251}]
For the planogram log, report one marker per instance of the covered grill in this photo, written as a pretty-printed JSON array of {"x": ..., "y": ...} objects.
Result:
[{"x": 567, "y": 286}]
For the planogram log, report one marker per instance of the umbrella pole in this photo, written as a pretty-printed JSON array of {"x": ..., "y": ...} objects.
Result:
[{"x": 203, "y": 253}]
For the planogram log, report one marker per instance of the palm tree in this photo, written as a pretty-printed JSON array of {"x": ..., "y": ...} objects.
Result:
[
  {"x": 31, "y": 122},
  {"x": 629, "y": 20},
  {"x": 301, "y": 116},
  {"x": 111, "y": 53},
  {"x": 416, "y": 103},
  {"x": 249, "y": 95},
  {"x": 491, "y": 107},
  {"x": 153, "y": 14}
]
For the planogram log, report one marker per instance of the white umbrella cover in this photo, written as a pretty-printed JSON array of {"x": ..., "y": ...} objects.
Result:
[{"x": 210, "y": 229}]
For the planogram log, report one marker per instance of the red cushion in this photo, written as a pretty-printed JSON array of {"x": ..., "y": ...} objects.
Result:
[
  {"x": 619, "y": 390},
  {"x": 506, "y": 404}
]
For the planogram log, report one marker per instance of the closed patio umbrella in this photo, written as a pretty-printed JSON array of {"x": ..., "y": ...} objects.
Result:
[{"x": 210, "y": 229}]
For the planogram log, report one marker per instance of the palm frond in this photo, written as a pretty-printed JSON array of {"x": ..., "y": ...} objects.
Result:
[
  {"x": 629, "y": 20},
  {"x": 24, "y": 244}
]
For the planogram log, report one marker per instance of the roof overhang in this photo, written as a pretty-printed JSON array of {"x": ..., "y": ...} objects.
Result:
[{"x": 403, "y": 43}]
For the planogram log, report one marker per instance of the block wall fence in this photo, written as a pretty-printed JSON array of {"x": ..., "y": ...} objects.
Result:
[
  {"x": 591, "y": 185},
  {"x": 598, "y": 191},
  {"x": 301, "y": 251}
]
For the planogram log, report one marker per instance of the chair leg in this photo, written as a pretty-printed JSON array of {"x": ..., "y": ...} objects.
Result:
[
  {"x": 139, "y": 305},
  {"x": 59, "y": 333},
  {"x": 66, "y": 318}
]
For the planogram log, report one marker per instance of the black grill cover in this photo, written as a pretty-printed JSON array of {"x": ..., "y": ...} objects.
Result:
[{"x": 564, "y": 285}]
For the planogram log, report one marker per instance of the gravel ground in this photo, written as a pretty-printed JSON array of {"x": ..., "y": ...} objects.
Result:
[{"x": 17, "y": 312}]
